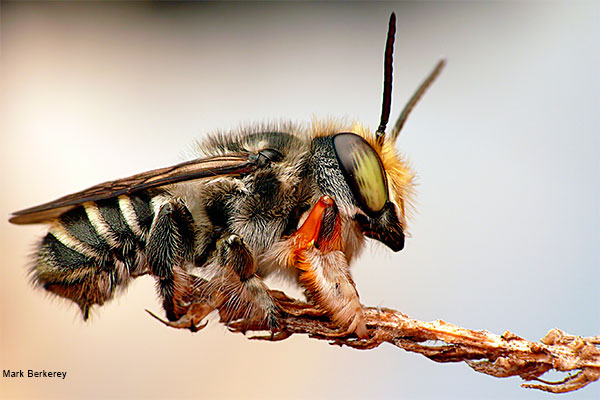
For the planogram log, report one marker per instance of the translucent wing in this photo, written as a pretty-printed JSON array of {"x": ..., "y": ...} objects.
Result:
[{"x": 231, "y": 164}]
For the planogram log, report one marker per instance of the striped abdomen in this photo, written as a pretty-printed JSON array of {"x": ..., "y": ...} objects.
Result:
[{"x": 94, "y": 249}]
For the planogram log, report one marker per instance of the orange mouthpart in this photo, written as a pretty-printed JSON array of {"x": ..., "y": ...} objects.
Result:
[
  {"x": 309, "y": 231},
  {"x": 308, "y": 234}
]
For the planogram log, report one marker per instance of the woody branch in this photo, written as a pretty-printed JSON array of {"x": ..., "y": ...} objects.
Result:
[{"x": 496, "y": 355}]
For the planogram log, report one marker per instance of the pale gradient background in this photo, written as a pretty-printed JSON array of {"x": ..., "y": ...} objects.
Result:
[{"x": 505, "y": 144}]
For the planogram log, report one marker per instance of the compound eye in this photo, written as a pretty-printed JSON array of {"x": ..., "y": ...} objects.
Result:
[{"x": 363, "y": 171}]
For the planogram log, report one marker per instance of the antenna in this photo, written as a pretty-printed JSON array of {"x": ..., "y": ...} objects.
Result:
[
  {"x": 416, "y": 97},
  {"x": 387, "y": 80}
]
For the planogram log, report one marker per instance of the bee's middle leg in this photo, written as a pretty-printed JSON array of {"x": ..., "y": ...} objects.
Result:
[{"x": 245, "y": 294}]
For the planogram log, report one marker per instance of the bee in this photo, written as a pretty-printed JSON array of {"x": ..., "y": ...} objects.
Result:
[{"x": 274, "y": 199}]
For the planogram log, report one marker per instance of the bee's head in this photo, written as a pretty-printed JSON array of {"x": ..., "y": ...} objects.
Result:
[
  {"x": 363, "y": 172},
  {"x": 371, "y": 184}
]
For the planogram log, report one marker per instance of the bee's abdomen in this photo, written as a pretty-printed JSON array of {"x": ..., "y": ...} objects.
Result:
[{"x": 95, "y": 249}]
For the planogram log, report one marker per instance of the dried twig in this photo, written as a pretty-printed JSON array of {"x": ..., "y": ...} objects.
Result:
[{"x": 500, "y": 356}]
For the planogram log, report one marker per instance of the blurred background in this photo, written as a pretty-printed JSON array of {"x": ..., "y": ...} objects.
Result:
[{"x": 505, "y": 145}]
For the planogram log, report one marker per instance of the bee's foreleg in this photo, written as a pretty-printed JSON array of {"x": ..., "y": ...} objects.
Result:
[
  {"x": 245, "y": 295},
  {"x": 323, "y": 269},
  {"x": 171, "y": 244}
]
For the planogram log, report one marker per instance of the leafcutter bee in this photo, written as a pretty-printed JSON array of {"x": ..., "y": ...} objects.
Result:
[{"x": 300, "y": 202}]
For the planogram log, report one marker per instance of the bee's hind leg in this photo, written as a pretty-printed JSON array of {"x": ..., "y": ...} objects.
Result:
[
  {"x": 169, "y": 247},
  {"x": 245, "y": 295},
  {"x": 191, "y": 296}
]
